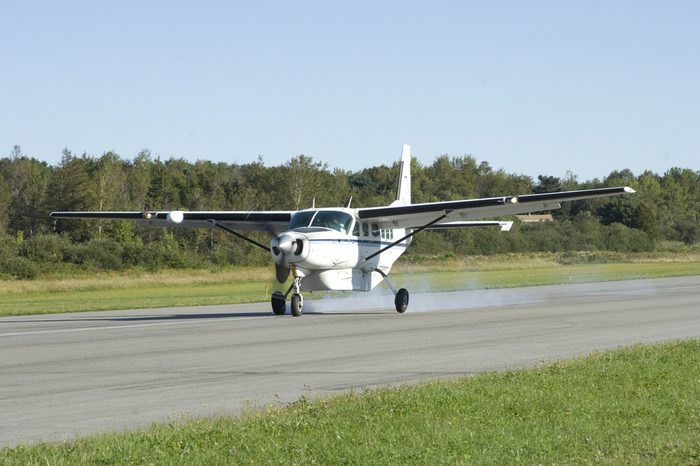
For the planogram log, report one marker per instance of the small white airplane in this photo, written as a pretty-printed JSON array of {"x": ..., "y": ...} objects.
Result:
[{"x": 345, "y": 249}]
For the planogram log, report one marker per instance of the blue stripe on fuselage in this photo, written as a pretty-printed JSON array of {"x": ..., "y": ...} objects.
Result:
[{"x": 364, "y": 242}]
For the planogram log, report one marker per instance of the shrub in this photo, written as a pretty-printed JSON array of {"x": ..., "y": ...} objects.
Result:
[
  {"x": 133, "y": 253},
  {"x": 46, "y": 248},
  {"x": 104, "y": 254},
  {"x": 9, "y": 247},
  {"x": 687, "y": 231},
  {"x": 165, "y": 252},
  {"x": 238, "y": 252},
  {"x": 544, "y": 238},
  {"x": 623, "y": 239},
  {"x": 18, "y": 267}
]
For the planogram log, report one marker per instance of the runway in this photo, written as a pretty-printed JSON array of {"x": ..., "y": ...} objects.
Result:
[{"x": 74, "y": 374}]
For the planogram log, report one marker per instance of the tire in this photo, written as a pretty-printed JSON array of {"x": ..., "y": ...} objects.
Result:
[
  {"x": 401, "y": 300},
  {"x": 297, "y": 304},
  {"x": 278, "y": 304}
]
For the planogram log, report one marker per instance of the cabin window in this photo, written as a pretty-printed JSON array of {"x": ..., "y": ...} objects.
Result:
[
  {"x": 338, "y": 221},
  {"x": 375, "y": 229},
  {"x": 301, "y": 219},
  {"x": 356, "y": 229}
]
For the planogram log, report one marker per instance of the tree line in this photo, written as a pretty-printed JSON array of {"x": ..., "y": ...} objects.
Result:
[{"x": 665, "y": 208}]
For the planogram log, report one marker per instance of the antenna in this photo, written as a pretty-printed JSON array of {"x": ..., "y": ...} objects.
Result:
[
  {"x": 313, "y": 203},
  {"x": 349, "y": 202}
]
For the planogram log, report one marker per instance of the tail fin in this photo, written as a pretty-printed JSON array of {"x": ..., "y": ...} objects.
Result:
[{"x": 404, "y": 191}]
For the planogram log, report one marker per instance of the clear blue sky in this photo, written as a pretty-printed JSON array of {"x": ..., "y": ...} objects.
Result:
[{"x": 530, "y": 87}]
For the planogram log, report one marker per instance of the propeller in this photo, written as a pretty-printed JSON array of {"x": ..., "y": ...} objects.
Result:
[
  {"x": 284, "y": 245},
  {"x": 281, "y": 273}
]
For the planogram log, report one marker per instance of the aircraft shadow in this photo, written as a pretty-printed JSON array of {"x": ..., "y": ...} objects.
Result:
[
  {"x": 185, "y": 317},
  {"x": 148, "y": 318}
]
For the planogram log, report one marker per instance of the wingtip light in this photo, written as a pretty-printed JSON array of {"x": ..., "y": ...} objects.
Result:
[{"x": 176, "y": 216}]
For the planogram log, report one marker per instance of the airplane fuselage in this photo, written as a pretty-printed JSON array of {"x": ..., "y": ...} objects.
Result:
[{"x": 329, "y": 247}]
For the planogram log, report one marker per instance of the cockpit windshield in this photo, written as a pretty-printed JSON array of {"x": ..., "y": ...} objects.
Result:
[
  {"x": 301, "y": 219},
  {"x": 334, "y": 220},
  {"x": 338, "y": 221}
]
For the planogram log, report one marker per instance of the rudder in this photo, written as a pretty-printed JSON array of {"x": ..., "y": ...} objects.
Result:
[{"x": 404, "y": 189}]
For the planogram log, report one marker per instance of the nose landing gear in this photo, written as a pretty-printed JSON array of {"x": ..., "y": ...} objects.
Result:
[{"x": 297, "y": 303}]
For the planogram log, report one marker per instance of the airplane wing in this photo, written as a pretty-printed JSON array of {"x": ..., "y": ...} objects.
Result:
[
  {"x": 436, "y": 213},
  {"x": 270, "y": 221}
]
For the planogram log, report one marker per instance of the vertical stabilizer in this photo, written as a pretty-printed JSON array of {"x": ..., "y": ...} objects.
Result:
[{"x": 404, "y": 191}]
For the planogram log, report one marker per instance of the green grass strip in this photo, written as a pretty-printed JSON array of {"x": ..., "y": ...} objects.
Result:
[{"x": 639, "y": 405}]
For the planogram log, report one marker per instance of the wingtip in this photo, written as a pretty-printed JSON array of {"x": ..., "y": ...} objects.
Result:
[{"x": 629, "y": 190}]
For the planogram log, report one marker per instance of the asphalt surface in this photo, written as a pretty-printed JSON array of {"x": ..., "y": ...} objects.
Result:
[{"x": 74, "y": 374}]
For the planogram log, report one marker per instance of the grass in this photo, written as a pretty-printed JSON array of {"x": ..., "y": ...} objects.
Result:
[
  {"x": 134, "y": 290},
  {"x": 543, "y": 275},
  {"x": 639, "y": 405}
]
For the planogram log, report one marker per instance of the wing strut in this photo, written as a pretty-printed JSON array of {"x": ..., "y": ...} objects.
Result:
[
  {"x": 238, "y": 235},
  {"x": 427, "y": 225}
]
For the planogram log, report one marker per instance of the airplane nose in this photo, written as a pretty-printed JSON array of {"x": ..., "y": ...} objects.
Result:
[
  {"x": 288, "y": 247},
  {"x": 285, "y": 244}
]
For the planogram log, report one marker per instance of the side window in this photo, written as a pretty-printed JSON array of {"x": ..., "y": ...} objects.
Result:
[
  {"x": 383, "y": 234},
  {"x": 390, "y": 234},
  {"x": 356, "y": 229},
  {"x": 375, "y": 229}
]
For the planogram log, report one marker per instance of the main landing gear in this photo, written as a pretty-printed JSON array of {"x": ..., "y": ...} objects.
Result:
[
  {"x": 401, "y": 300},
  {"x": 279, "y": 305},
  {"x": 297, "y": 303},
  {"x": 400, "y": 296}
]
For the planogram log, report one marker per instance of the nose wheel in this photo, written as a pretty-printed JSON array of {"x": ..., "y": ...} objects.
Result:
[{"x": 297, "y": 303}]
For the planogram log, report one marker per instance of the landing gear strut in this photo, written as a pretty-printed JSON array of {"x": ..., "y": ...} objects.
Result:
[
  {"x": 297, "y": 303},
  {"x": 400, "y": 296}
]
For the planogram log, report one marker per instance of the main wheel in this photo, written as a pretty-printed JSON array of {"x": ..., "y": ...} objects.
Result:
[
  {"x": 401, "y": 300},
  {"x": 278, "y": 304},
  {"x": 297, "y": 304}
]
